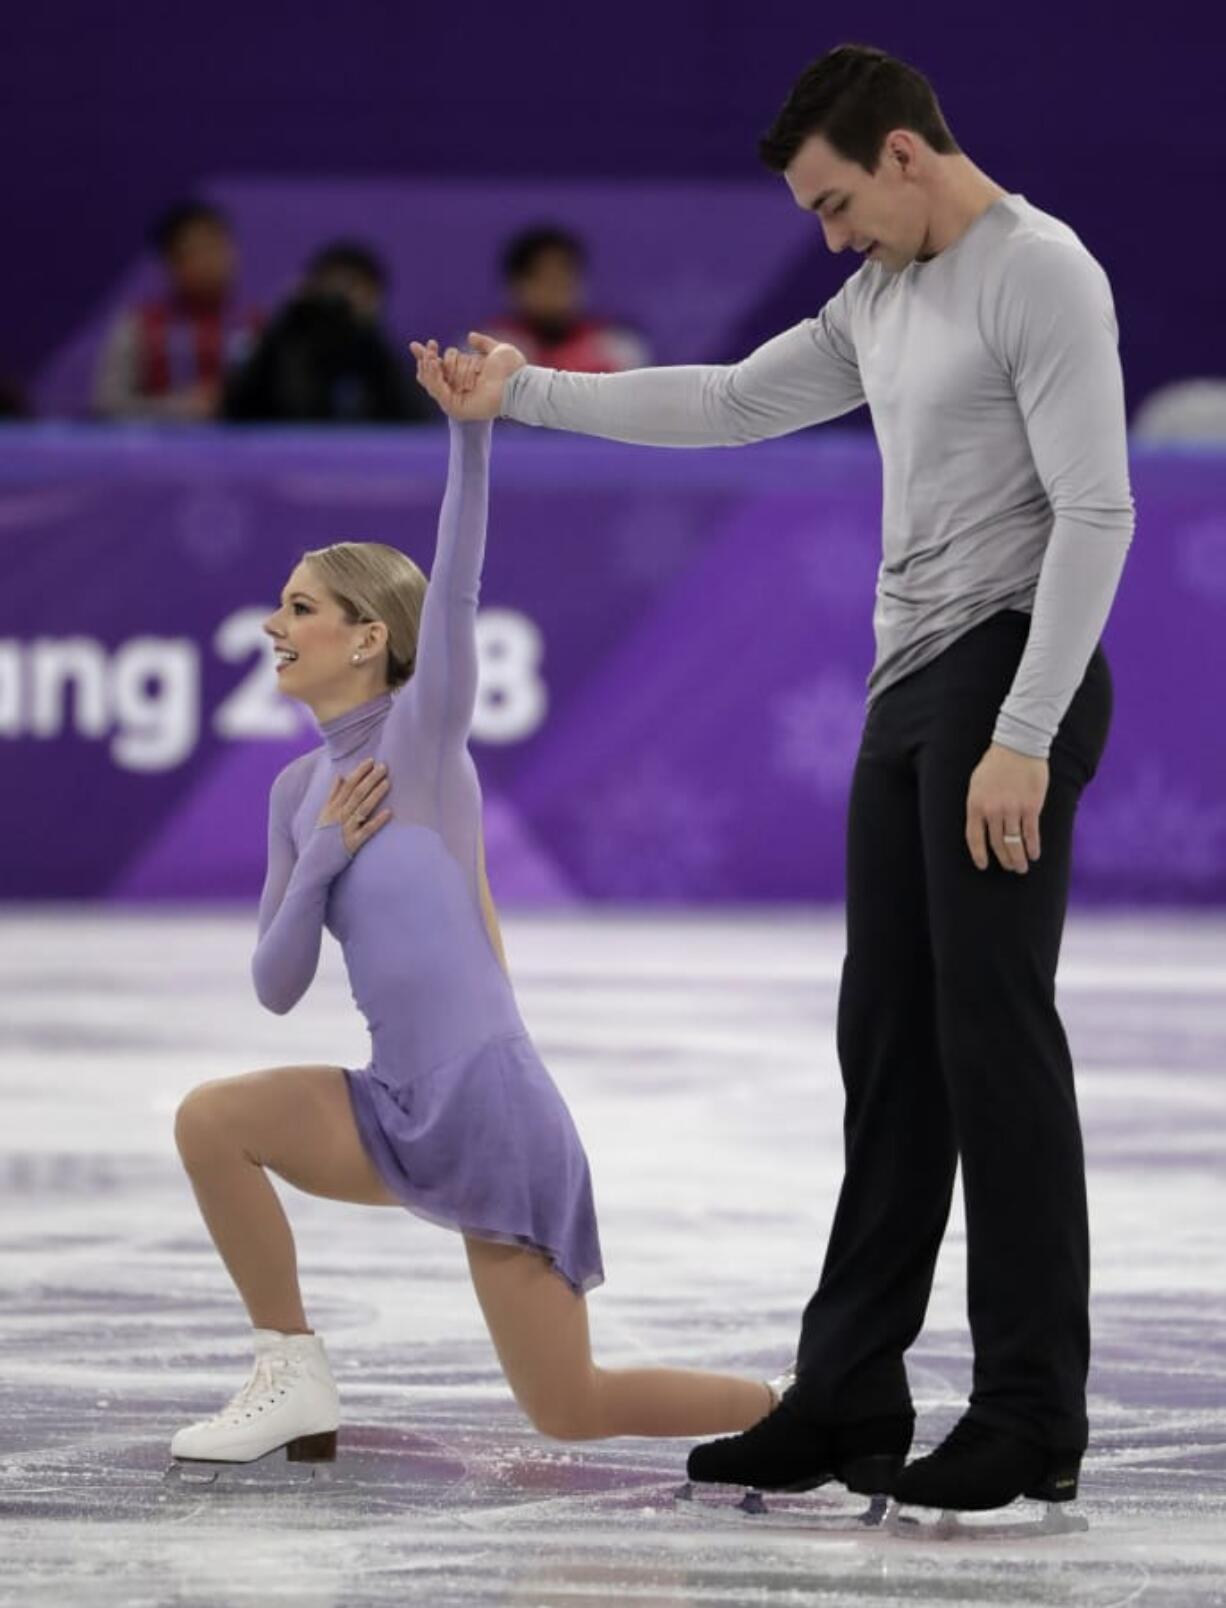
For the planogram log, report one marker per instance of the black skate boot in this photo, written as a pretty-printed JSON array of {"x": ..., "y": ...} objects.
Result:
[
  {"x": 978, "y": 1468},
  {"x": 785, "y": 1453}
]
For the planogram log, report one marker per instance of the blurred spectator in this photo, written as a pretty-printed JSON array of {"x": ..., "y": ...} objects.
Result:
[
  {"x": 167, "y": 358},
  {"x": 1186, "y": 410},
  {"x": 543, "y": 270},
  {"x": 325, "y": 358}
]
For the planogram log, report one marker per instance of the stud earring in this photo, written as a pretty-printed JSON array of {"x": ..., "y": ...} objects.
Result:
[{"x": 357, "y": 658}]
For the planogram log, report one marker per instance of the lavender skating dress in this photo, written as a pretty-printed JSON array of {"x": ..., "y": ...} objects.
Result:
[{"x": 455, "y": 1109}]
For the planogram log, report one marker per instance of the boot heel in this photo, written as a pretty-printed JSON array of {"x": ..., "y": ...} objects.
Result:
[
  {"x": 1059, "y": 1484},
  {"x": 871, "y": 1476},
  {"x": 313, "y": 1448}
]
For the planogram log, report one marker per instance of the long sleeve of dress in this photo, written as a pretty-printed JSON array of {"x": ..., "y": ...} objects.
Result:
[
  {"x": 445, "y": 678},
  {"x": 293, "y": 903},
  {"x": 425, "y": 738}
]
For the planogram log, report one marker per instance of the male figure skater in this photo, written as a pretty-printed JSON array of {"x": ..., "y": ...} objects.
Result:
[{"x": 982, "y": 335}]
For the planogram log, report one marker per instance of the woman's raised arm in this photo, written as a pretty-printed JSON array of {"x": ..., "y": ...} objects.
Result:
[{"x": 444, "y": 686}]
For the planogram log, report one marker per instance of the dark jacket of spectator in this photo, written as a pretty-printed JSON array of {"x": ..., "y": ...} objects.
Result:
[{"x": 325, "y": 358}]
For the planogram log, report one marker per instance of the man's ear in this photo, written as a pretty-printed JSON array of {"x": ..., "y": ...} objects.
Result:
[{"x": 901, "y": 149}]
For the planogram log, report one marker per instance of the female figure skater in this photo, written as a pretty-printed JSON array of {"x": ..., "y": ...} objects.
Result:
[{"x": 377, "y": 836}]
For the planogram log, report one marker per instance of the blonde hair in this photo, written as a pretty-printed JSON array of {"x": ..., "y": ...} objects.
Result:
[{"x": 371, "y": 581}]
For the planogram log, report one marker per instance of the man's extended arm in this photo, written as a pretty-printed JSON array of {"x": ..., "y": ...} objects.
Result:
[{"x": 804, "y": 376}]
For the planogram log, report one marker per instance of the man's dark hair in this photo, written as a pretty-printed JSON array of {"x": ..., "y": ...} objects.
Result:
[
  {"x": 352, "y": 257},
  {"x": 853, "y": 96},
  {"x": 519, "y": 255},
  {"x": 171, "y": 225}
]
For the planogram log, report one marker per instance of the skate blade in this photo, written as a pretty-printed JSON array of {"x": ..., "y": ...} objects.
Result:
[
  {"x": 267, "y": 1473},
  {"x": 934, "y": 1524},
  {"x": 309, "y": 1459},
  {"x": 758, "y": 1504}
]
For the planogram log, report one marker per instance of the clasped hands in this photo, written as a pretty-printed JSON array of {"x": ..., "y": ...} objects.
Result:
[{"x": 467, "y": 385}]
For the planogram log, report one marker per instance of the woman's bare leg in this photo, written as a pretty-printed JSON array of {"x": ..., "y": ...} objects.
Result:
[
  {"x": 540, "y": 1332},
  {"x": 296, "y": 1121}
]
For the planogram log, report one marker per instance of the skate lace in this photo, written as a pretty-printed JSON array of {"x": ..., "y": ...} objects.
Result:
[{"x": 268, "y": 1380}]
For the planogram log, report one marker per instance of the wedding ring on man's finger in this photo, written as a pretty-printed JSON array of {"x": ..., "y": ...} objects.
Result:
[{"x": 1009, "y": 838}]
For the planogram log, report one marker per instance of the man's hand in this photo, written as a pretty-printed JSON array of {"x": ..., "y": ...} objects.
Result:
[
  {"x": 1003, "y": 807},
  {"x": 467, "y": 385}
]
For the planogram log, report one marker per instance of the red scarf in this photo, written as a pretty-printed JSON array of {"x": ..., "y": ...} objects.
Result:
[{"x": 184, "y": 343}]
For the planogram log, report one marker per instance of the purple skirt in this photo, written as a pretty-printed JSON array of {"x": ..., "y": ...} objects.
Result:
[{"x": 484, "y": 1144}]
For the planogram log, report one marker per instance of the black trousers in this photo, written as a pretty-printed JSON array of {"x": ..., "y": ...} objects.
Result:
[{"x": 952, "y": 1048}]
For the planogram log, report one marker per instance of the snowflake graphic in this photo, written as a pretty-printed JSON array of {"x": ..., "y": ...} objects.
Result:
[
  {"x": 816, "y": 732},
  {"x": 1156, "y": 831},
  {"x": 655, "y": 834},
  {"x": 1200, "y": 558},
  {"x": 212, "y": 526}
]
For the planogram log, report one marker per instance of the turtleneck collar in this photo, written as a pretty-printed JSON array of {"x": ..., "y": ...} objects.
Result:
[{"x": 356, "y": 728}]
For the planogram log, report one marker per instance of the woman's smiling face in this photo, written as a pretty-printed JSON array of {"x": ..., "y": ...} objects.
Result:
[{"x": 313, "y": 640}]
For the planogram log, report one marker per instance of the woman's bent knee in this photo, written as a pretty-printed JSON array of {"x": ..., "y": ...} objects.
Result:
[
  {"x": 565, "y": 1421},
  {"x": 199, "y": 1117},
  {"x": 539, "y": 1329},
  {"x": 567, "y": 1413}
]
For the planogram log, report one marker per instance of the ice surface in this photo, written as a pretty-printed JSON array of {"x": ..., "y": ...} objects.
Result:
[{"x": 697, "y": 1054}]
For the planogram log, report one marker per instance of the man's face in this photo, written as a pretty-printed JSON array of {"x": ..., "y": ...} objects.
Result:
[
  {"x": 882, "y": 215},
  {"x": 552, "y": 288},
  {"x": 202, "y": 261}
]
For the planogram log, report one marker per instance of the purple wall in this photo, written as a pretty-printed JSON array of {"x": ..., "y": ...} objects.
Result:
[
  {"x": 674, "y": 652},
  {"x": 1108, "y": 117}
]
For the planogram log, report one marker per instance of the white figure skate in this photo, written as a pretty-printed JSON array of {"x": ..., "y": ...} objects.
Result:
[{"x": 288, "y": 1403}]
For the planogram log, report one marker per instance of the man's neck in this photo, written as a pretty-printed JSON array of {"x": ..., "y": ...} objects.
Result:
[{"x": 961, "y": 194}]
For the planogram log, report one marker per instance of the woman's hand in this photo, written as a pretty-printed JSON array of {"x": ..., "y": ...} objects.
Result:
[
  {"x": 353, "y": 802},
  {"x": 467, "y": 385}
]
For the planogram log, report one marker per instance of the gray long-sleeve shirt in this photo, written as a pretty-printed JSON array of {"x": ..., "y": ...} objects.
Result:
[{"x": 992, "y": 375}]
